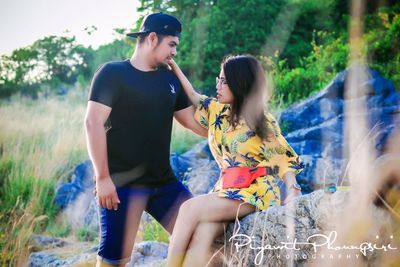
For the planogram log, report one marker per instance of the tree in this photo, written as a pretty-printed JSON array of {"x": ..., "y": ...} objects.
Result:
[
  {"x": 213, "y": 29},
  {"x": 51, "y": 61}
]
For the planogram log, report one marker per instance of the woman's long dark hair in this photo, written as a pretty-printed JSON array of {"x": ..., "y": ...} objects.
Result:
[{"x": 245, "y": 77}]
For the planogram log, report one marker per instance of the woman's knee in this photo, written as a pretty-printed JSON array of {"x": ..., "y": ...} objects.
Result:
[{"x": 188, "y": 208}]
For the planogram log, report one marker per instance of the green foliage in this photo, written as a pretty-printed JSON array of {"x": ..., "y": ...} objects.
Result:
[
  {"x": 329, "y": 56},
  {"x": 383, "y": 43},
  {"x": 220, "y": 28},
  {"x": 40, "y": 141},
  {"x": 314, "y": 51},
  {"x": 47, "y": 63},
  {"x": 314, "y": 73},
  {"x": 120, "y": 48},
  {"x": 13, "y": 190},
  {"x": 311, "y": 16},
  {"x": 182, "y": 139},
  {"x": 59, "y": 230},
  {"x": 153, "y": 231},
  {"x": 18, "y": 192},
  {"x": 86, "y": 234},
  {"x": 213, "y": 29}
]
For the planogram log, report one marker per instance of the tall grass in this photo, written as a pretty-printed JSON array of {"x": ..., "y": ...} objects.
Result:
[{"x": 41, "y": 141}]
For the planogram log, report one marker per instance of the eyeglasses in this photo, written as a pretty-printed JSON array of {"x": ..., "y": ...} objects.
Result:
[{"x": 220, "y": 80}]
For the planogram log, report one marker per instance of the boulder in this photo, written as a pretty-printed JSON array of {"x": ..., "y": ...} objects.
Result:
[
  {"x": 147, "y": 253},
  {"x": 81, "y": 180},
  {"x": 313, "y": 214},
  {"x": 315, "y": 126}
]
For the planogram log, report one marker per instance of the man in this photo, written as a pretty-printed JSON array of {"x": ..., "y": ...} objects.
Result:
[{"x": 137, "y": 100}]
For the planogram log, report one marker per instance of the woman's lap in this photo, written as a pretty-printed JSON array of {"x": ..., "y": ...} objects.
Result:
[{"x": 213, "y": 208}]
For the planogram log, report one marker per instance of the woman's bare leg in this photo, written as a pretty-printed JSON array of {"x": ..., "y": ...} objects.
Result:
[
  {"x": 200, "y": 251},
  {"x": 208, "y": 208}
]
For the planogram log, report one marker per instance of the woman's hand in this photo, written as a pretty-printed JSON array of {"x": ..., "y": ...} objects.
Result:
[
  {"x": 187, "y": 86},
  {"x": 292, "y": 188},
  {"x": 172, "y": 64},
  {"x": 291, "y": 194}
]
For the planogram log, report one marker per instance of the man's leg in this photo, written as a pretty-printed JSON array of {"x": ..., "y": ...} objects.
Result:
[
  {"x": 165, "y": 202},
  {"x": 118, "y": 228}
]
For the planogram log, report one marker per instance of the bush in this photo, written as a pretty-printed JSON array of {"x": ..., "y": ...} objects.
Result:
[
  {"x": 86, "y": 234},
  {"x": 153, "y": 231},
  {"x": 329, "y": 56}
]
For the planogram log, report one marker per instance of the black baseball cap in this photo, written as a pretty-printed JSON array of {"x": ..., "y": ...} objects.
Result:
[{"x": 160, "y": 23}]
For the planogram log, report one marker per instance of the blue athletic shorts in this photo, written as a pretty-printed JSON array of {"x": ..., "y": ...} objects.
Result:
[{"x": 116, "y": 238}]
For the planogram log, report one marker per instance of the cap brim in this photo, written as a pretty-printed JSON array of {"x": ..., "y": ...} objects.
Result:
[{"x": 135, "y": 34}]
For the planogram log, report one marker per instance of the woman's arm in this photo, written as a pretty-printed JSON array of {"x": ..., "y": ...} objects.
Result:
[
  {"x": 187, "y": 86},
  {"x": 291, "y": 189}
]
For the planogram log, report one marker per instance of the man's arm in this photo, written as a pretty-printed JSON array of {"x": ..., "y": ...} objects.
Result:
[
  {"x": 96, "y": 116},
  {"x": 186, "y": 118}
]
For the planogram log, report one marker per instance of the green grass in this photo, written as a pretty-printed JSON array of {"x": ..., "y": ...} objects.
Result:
[
  {"x": 40, "y": 143},
  {"x": 61, "y": 229},
  {"x": 154, "y": 231},
  {"x": 183, "y": 139},
  {"x": 86, "y": 234}
]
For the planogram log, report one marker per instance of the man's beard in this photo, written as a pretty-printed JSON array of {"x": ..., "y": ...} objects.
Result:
[{"x": 163, "y": 64}]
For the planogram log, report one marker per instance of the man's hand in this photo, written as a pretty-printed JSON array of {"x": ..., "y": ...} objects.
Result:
[{"x": 107, "y": 196}]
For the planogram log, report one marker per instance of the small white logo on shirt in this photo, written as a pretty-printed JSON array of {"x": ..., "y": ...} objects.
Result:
[{"x": 172, "y": 88}]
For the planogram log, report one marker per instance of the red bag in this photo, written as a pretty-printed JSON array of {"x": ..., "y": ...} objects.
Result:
[{"x": 240, "y": 177}]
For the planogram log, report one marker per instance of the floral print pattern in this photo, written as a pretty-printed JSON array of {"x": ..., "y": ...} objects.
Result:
[{"x": 241, "y": 147}]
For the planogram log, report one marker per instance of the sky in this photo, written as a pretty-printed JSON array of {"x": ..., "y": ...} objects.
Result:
[{"x": 22, "y": 22}]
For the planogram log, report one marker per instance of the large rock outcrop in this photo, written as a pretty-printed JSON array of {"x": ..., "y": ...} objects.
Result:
[
  {"x": 313, "y": 214},
  {"x": 315, "y": 127}
]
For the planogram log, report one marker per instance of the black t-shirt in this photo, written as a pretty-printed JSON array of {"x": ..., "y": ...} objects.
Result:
[{"x": 140, "y": 122}]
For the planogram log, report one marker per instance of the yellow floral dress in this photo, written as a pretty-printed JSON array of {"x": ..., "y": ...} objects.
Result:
[{"x": 241, "y": 147}]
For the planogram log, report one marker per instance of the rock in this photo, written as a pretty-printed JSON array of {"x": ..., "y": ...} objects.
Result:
[
  {"x": 82, "y": 212},
  {"x": 196, "y": 168},
  {"x": 325, "y": 171},
  {"x": 315, "y": 126},
  {"x": 81, "y": 180},
  {"x": 202, "y": 177},
  {"x": 70, "y": 255},
  {"x": 147, "y": 253},
  {"x": 38, "y": 243},
  {"x": 314, "y": 213}
]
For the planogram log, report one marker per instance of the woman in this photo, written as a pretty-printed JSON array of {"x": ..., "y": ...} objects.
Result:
[{"x": 247, "y": 144}]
